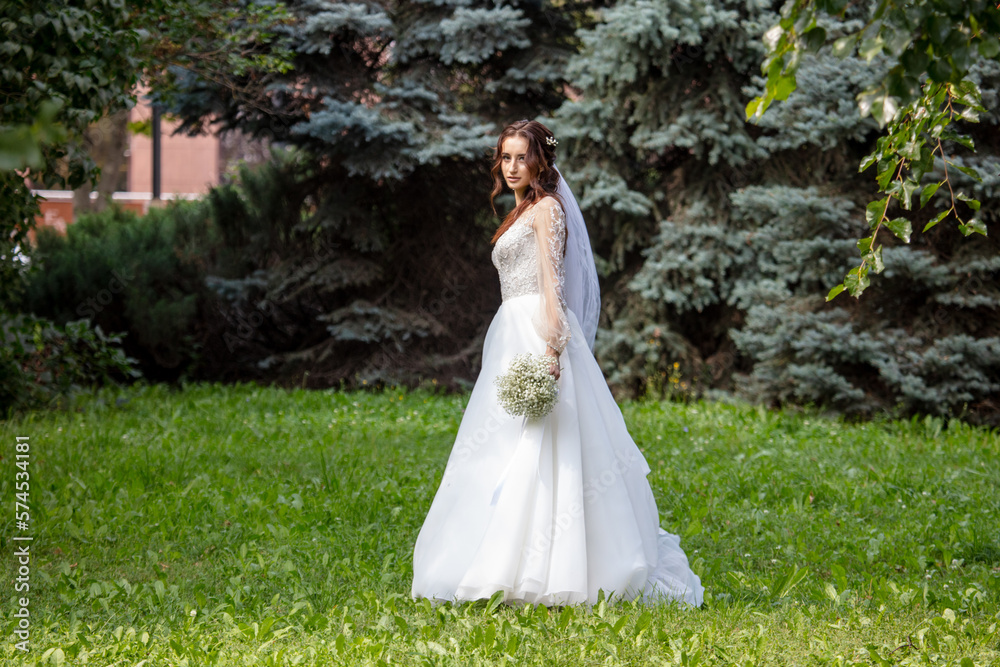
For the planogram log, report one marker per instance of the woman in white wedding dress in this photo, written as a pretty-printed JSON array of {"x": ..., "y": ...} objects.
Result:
[{"x": 552, "y": 510}]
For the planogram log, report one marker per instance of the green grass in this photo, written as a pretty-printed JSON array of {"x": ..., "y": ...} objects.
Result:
[{"x": 250, "y": 526}]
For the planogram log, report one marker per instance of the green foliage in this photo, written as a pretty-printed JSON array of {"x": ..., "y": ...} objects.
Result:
[
  {"x": 903, "y": 158},
  {"x": 83, "y": 58},
  {"x": 20, "y": 146},
  {"x": 332, "y": 287},
  {"x": 238, "y": 45},
  {"x": 394, "y": 111},
  {"x": 16, "y": 203},
  {"x": 43, "y": 364},
  {"x": 67, "y": 64},
  {"x": 126, "y": 273},
  {"x": 933, "y": 48},
  {"x": 64, "y": 66},
  {"x": 257, "y": 282},
  {"x": 239, "y": 525},
  {"x": 361, "y": 256},
  {"x": 258, "y": 210},
  {"x": 392, "y": 89},
  {"x": 718, "y": 236},
  {"x": 938, "y": 40}
]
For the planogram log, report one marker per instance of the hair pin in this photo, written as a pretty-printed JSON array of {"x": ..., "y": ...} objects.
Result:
[{"x": 552, "y": 141}]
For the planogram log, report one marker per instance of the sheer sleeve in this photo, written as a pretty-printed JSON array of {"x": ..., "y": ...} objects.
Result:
[{"x": 550, "y": 234}]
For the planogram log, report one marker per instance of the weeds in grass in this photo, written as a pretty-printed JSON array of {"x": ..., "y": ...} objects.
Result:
[{"x": 249, "y": 526}]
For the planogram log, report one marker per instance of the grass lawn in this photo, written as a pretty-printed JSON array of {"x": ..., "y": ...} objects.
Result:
[{"x": 250, "y": 526}]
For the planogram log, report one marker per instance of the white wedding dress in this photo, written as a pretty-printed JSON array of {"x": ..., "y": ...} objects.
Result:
[{"x": 549, "y": 511}]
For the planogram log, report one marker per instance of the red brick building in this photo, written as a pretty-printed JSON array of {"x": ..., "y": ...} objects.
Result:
[{"x": 189, "y": 166}]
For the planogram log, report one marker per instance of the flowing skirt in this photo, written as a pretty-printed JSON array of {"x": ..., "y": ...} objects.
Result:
[{"x": 549, "y": 511}]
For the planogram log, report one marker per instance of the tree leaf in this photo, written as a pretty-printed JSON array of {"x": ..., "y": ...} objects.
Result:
[
  {"x": 969, "y": 94},
  {"x": 885, "y": 109},
  {"x": 970, "y": 172},
  {"x": 784, "y": 87},
  {"x": 928, "y": 192},
  {"x": 856, "y": 281},
  {"x": 870, "y": 48},
  {"x": 896, "y": 40},
  {"x": 805, "y": 19},
  {"x": 875, "y": 211},
  {"x": 901, "y": 227},
  {"x": 940, "y": 28},
  {"x": 965, "y": 140},
  {"x": 837, "y": 289},
  {"x": 969, "y": 115},
  {"x": 973, "y": 203},
  {"x": 940, "y": 216},
  {"x": 989, "y": 46},
  {"x": 875, "y": 259},
  {"x": 886, "y": 170},
  {"x": 774, "y": 34},
  {"x": 973, "y": 226},
  {"x": 843, "y": 46},
  {"x": 868, "y": 161},
  {"x": 815, "y": 39},
  {"x": 940, "y": 71},
  {"x": 915, "y": 61},
  {"x": 908, "y": 187},
  {"x": 924, "y": 164},
  {"x": 910, "y": 149}
]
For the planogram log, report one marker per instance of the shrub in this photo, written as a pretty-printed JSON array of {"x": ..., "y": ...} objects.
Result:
[
  {"x": 141, "y": 275},
  {"x": 42, "y": 363}
]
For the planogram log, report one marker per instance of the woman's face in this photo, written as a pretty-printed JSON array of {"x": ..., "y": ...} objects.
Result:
[{"x": 512, "y": 163}]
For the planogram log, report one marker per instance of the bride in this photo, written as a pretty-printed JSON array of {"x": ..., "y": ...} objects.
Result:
[{"x": 552, "y": 510}]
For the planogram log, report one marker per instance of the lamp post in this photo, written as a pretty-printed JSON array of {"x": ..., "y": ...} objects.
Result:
[{"x": 156, "y": 152}]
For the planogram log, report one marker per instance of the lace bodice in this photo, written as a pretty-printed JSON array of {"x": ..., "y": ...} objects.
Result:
[{"x": 529, "y": 259}]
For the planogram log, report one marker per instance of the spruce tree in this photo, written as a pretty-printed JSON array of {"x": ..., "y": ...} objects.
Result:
[
  {"x": 721, "y": 239},
  {"x": 394, "y": 108}
]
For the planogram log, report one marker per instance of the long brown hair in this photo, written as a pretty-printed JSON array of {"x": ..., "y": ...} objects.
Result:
[{"x": 540, "y": 161}]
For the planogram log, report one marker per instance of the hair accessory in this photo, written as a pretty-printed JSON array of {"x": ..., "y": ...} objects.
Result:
[{"x": 551, "y": 141}]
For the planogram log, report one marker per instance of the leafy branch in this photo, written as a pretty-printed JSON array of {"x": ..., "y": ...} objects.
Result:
[
  {"x": 918, "y": 100},
  {"x": 225, "y": 44}
]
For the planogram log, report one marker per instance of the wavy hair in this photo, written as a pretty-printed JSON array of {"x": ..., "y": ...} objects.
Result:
[{"x": 539, "y": 160}]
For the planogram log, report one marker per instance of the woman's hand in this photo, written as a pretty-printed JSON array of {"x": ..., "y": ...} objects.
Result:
[{"x": 554, "y": 368}]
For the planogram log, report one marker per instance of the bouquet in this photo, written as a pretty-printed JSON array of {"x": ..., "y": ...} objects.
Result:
[{"x": 527, "y": 388}]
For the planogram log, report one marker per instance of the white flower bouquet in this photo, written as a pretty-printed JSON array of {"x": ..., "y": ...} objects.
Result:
[{"x": 527, "y": 388}]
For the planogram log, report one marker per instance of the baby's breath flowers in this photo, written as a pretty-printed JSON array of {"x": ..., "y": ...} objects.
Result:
[{"x": 527, "y": 388}]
